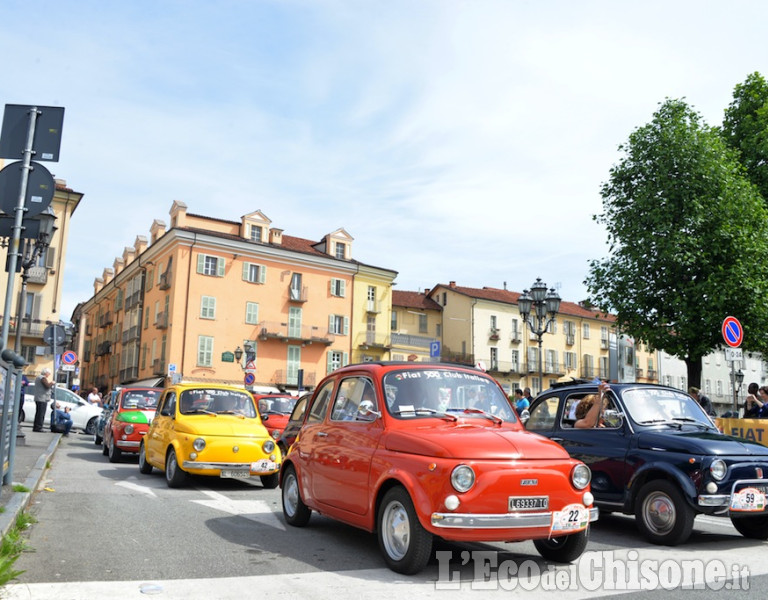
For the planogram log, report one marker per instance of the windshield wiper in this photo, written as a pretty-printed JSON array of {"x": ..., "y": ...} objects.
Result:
[
  {"x": 428, "y": 411},
  {"x": 661, "y": 422},
  {"x": 198, "y": 411},
  {"x": 479, "y": 411},
  {"x": 692, "y": 421}
]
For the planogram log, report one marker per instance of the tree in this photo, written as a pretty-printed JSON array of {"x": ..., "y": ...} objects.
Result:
[
  {"x": 688, "y": 240},
  {"x": 745, "y": 128}
]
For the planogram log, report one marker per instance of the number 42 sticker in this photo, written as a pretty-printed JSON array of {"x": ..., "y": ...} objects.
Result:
[{"x": 573, "y": 517}]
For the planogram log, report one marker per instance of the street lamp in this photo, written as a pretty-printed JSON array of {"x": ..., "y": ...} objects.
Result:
[
  {"x": 737, "y": 378},
  {"x": 545, "y": 304},
  {"x": 250, "y": 355}
]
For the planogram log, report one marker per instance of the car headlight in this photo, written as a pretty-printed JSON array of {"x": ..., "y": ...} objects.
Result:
[
  {"x": 581, "y": 476},
  {"x": 718, "y": 469},
  {"x": 128, "y": 429},
  {"x": 275, "y": 433},
  {"x": 462, "y": 478},
  {"x": 198, "y": 444},
  {"x": 268, "y": 447}
]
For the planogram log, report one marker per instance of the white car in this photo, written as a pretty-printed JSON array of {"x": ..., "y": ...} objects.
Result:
[{"x": 84, "y": 414}]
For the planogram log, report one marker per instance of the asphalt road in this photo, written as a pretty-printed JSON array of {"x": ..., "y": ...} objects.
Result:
[{"x": 105, "y": 530}]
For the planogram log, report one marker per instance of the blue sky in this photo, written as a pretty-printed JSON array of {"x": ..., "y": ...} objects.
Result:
[{"x": 454, "y": 140}]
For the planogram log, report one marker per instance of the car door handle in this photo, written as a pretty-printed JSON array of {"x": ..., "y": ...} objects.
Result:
[
  {"x": 322, "y": 434},
  {"x": 559, "y": 440}
]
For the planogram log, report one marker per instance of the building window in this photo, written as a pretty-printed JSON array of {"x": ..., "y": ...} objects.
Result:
[
  {"x": 336, "y": 360},
  {"x": 254, "y": 273},
  {"x": 251, "y": 313},
  {"x": 293, "y": 365},
  {"x": 393, "y": 324},
  {"x": 294, "y": 322},
  {"x": 207, "y": 307},
  {"x": 256, "y": 233},
  {"x": 338, "y": 287},
  {"x": 494, "y": 359},
  {"x": 341, "y": 250},
  {"x": 204, "y": 351},
  {"x": 296, "y": 286},
  {"x": 585, "y": 331},
  {"x": 494, "y": 326},
  {"x": 423, "y": 324},
  {"x": 209, "y": 265},
  {"x": 439, "y": 330},
  {"x": 338, "y": 324}
]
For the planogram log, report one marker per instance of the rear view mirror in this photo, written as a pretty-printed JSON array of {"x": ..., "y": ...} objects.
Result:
[{"x": 525, "y": 415}]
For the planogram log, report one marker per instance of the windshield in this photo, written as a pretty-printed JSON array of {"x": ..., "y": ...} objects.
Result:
[
  {"x": 651, "y": 406},
  {"x": 140, "y": 399},
  {"x": 276, "y": 404},
  {"x": 216, "y": 402},
  {"x": 415, "y": 393}
]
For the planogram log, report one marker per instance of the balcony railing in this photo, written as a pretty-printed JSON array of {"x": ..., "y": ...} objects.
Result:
[
  {"x": 307, "y": 334},
  {"x": 165, "y": 281},
  {"x": 161, "y": 321},
  {"x": 373, "y": 306},
  {"x": 105, "y": 319},
  {"x": 130, "y": 334},
  {"x": 296, "y": 295},
  {"x": 129, "y": 374},
  {"x": 37, "y": 275},
  {"x": 158, "y": 367},
  {"x": 416, "y": 341},
  {"x": 281, "y": 378},
  {"x": 376, "y": 341}
]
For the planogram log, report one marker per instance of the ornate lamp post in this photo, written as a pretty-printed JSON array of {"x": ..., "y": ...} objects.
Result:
[
  {"x": 737, "y": 378},
  {"x": 546, "y": 304}
]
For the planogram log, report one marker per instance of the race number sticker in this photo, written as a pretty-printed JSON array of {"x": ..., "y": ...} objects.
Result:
[
  {"x": 263, "y": 466},
  {"x": 748, "y": 500},
  {"x": 573, "y": 517}
]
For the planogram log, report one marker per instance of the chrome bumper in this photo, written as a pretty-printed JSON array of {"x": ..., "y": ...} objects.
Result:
[
  {"x": 499, "y": 521},
  {"x": 125, "y": 444},
  {"x": 721, "y": 500},
  {"x": 217, "y": 466}
]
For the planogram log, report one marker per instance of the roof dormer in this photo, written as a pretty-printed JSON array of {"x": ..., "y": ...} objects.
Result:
[
  {"x": 338, "y": 244},
  {"x": 255, "y": 227}
]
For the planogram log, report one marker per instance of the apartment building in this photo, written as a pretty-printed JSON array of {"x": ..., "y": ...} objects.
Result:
[
  {"x": 40, "y": 302},
  {"x": 371, "y": 314},
  {"x": 483, "y": 325},
  {"x": 208, "y": 300},
  {"x": 416, "y": 323}
]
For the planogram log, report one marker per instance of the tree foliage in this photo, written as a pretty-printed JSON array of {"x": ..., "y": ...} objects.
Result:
[
  {"x": 745, "y": 128},
  {"x": 687, "y": 238}
]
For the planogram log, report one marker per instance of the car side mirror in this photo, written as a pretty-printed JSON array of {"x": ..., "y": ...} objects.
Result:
[
  {"x": 366, "y": 409},
  {"x": 613, "y": 418},
  {"x": 265, "y": 417},
  {"x": 525, "y": 414}
]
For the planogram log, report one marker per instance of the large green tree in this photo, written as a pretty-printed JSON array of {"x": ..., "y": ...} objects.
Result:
[
  {"x": 687, "y": 239},
  {"x": 745, "y": 128}
]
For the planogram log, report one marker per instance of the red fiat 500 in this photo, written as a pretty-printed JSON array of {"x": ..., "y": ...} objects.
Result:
[
  {"x": 129, "y": 421},
  {"x": 416, "y": 450}
]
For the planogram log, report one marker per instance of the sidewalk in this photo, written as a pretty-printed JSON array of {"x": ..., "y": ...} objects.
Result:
[{"x": 30, "y": 462}]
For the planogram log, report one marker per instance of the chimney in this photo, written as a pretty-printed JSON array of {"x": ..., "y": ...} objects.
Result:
[
  {"x": 140, "y": 244},
  {"x": 276, "y": 236},
  {"x": 452, "y": 284}
]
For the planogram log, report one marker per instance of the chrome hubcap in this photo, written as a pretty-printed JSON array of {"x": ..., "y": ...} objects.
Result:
[
  {"x": 660, "y": 513},
  {"x": 395, "y": 530}
]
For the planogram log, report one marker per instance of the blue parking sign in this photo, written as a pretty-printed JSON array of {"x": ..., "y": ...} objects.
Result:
[{"x": 434, "y": 350}]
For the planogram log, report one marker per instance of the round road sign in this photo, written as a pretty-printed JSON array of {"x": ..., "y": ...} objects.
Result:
[
  {"x": 249, "y": 379},
  {"x": 69, "y": 358},
  {"x": 733, "y": 333}
]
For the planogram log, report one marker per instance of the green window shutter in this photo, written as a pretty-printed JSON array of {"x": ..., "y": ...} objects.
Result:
[
  {"x": 330, "y": 323},
  {"x": 200, "y": 263},
  {"x": 246, "y": 269},
  {"x": 343, "y": 288},
  {"x": 220, "y": 267},
  {"x": 262, "y": 274},
  {"x": 345, "y": 359},
  {"x": 329, "y": 362},
  {"x": 346, "y": 325}
]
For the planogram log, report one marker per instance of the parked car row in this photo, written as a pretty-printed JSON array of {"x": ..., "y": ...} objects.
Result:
[{"x": 84, "y": 414}]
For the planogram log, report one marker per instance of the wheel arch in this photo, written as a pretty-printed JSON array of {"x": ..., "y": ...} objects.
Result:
[{"x": 661, "y": 471}]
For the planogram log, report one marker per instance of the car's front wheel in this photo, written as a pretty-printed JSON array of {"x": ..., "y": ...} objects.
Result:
[
  {"x": 296, "y": 513},
  {"x": 563, "y": 549},
  {"x": 90, "y": 427},
  {"x": 144, "y": 467},
  {"x": 270, "y": 481},
  {"x": 406, "y": 545},
  {"x": 754, "y": 528},
  {"x": 662, "y": 513},
  {"x": 114, "y": 452},
  {"x": 174, "y": 475}
]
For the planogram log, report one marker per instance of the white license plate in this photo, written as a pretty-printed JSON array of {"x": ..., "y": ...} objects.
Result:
[
  {"x": 263, "y": 466},
  {"x": 528, "y": 503},
  {"x": 235, "y": 474}
]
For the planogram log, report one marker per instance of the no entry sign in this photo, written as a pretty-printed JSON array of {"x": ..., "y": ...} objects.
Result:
[{"x": 733, "y": 333}]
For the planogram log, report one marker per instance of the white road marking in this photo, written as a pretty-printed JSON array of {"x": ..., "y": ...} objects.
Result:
[
  {"x": 255, "y": 510},
  {"x": 137, "y": 488}
]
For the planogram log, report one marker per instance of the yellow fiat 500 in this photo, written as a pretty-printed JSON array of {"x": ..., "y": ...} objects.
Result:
[{"x": 209, "y": 430}]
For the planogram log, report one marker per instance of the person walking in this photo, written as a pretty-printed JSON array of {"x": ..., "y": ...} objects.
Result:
[{"x": 43, "y": 387}]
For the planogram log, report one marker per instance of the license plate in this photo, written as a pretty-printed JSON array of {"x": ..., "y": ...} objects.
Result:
[
  {"x": 528, "y": 503},
  {"x": 263, "y": 466},
  {"x": 235, "y": 474},
  {"x": 573, "y": 517},
  {"x": 748, "y": 500}
]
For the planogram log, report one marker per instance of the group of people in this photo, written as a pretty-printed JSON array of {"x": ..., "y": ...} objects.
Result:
[
  {"x": 755, "y": 405},
  {"x": 61, "y": 420},
  {"x": 522, "y": 399}
]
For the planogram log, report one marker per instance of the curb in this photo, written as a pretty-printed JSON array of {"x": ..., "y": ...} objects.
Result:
[{"x": 20, "y": 500}]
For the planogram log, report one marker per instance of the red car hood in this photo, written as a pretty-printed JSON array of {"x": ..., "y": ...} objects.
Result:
[{"x": 471, "y": 442}]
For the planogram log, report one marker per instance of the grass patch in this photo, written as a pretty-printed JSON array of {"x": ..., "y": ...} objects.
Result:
[
  {"x": 17, "y": 487},
  {"x": 12, "y": 546}
]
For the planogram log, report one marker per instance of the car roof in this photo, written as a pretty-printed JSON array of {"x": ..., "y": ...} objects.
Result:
[{"x": 591, "y": 384}]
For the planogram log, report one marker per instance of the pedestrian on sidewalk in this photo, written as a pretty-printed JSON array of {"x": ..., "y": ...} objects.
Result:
[
  {"x": 61, "y": 420},
  {"x": 43, "y": 387}
]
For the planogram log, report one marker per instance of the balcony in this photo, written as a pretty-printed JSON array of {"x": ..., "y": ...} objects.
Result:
[
  {"x": 375, "y": 341},
  {"x": 105, "y": 319},
  {"x": 165, "y": 281},
  {"x": 129, "y": 374},
  {"x": 457, "y": 357},
  {"x": 373, "y": 307},
  {"x": 604, "y": 345},
  {"x": 306, "y": 334},
  {"x": 132, "y": 300},
  {"x": 280, "y": 378},
  {"x": 515, "y": 337},
  {"x": 493, "y": 334},
  {"x": 298, "y": 295},
  {"x": 652, "y": 374},
  {"x": 504, "y": 367},
  {"x": 570, "y": 339},
  {"x": 415, "y": 341},
  {"x": 639, "y": 373},
  {"x": 130, "y": 334},
  {"x": 158, "y": 367},
  {"x": 103, "y": 348},
  {"x": 37, "y": 275},
  {"x": 161, "y": 320}
]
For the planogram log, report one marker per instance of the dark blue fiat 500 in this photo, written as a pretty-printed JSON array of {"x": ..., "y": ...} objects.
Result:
[{"x": 657, "y": 455}]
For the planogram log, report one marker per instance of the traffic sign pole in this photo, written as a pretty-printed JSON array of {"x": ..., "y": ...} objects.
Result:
[{"x": 733, "y": 335}]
